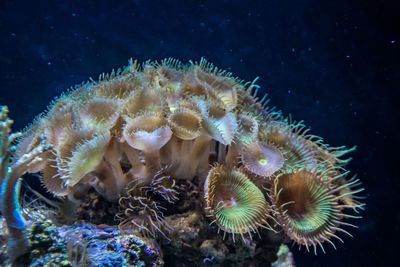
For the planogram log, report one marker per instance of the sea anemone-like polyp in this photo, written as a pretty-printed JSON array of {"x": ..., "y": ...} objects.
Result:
[
  {"x": 307, "y": 208},
  {"x": 234, "y": 202},
  {"x": 262, "y": 158},
  {"x": 140, "y": 212}
]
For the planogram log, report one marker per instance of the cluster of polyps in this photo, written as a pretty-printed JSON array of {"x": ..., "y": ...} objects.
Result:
[{"x": 118, "y": 135}]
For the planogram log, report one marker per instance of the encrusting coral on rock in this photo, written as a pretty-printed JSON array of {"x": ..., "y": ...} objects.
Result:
[{"x": 175, "y": 154}]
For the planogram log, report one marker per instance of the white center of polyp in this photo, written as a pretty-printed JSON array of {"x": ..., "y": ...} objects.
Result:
[{"x": 229, "y": 203}]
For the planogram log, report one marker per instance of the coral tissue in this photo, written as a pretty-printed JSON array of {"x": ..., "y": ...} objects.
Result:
[{"x": 145, "y": 137}]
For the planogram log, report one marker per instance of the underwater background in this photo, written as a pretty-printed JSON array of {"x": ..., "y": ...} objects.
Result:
[{"x": 332, "y": 64}]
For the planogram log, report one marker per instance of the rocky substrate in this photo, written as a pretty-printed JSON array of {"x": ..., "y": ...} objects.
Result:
[{"x": 82, "y": 244}]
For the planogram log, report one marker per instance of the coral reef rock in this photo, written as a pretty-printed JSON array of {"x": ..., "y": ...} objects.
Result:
[{"x": 83, "y": 244}]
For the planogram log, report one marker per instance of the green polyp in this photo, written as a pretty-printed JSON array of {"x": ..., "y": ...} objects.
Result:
[
  {"x": 172, "y": 108},
  {"x": 263, "y": 161}
]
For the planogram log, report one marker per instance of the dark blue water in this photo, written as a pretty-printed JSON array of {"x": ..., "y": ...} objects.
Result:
[{"x": 333, "y": 64}]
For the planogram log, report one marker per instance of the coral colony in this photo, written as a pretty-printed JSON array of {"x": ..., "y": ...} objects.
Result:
[{"x": 159, "y": 148}]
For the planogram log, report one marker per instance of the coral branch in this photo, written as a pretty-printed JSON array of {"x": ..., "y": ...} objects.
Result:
[{"x": 17, "y": 240}]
